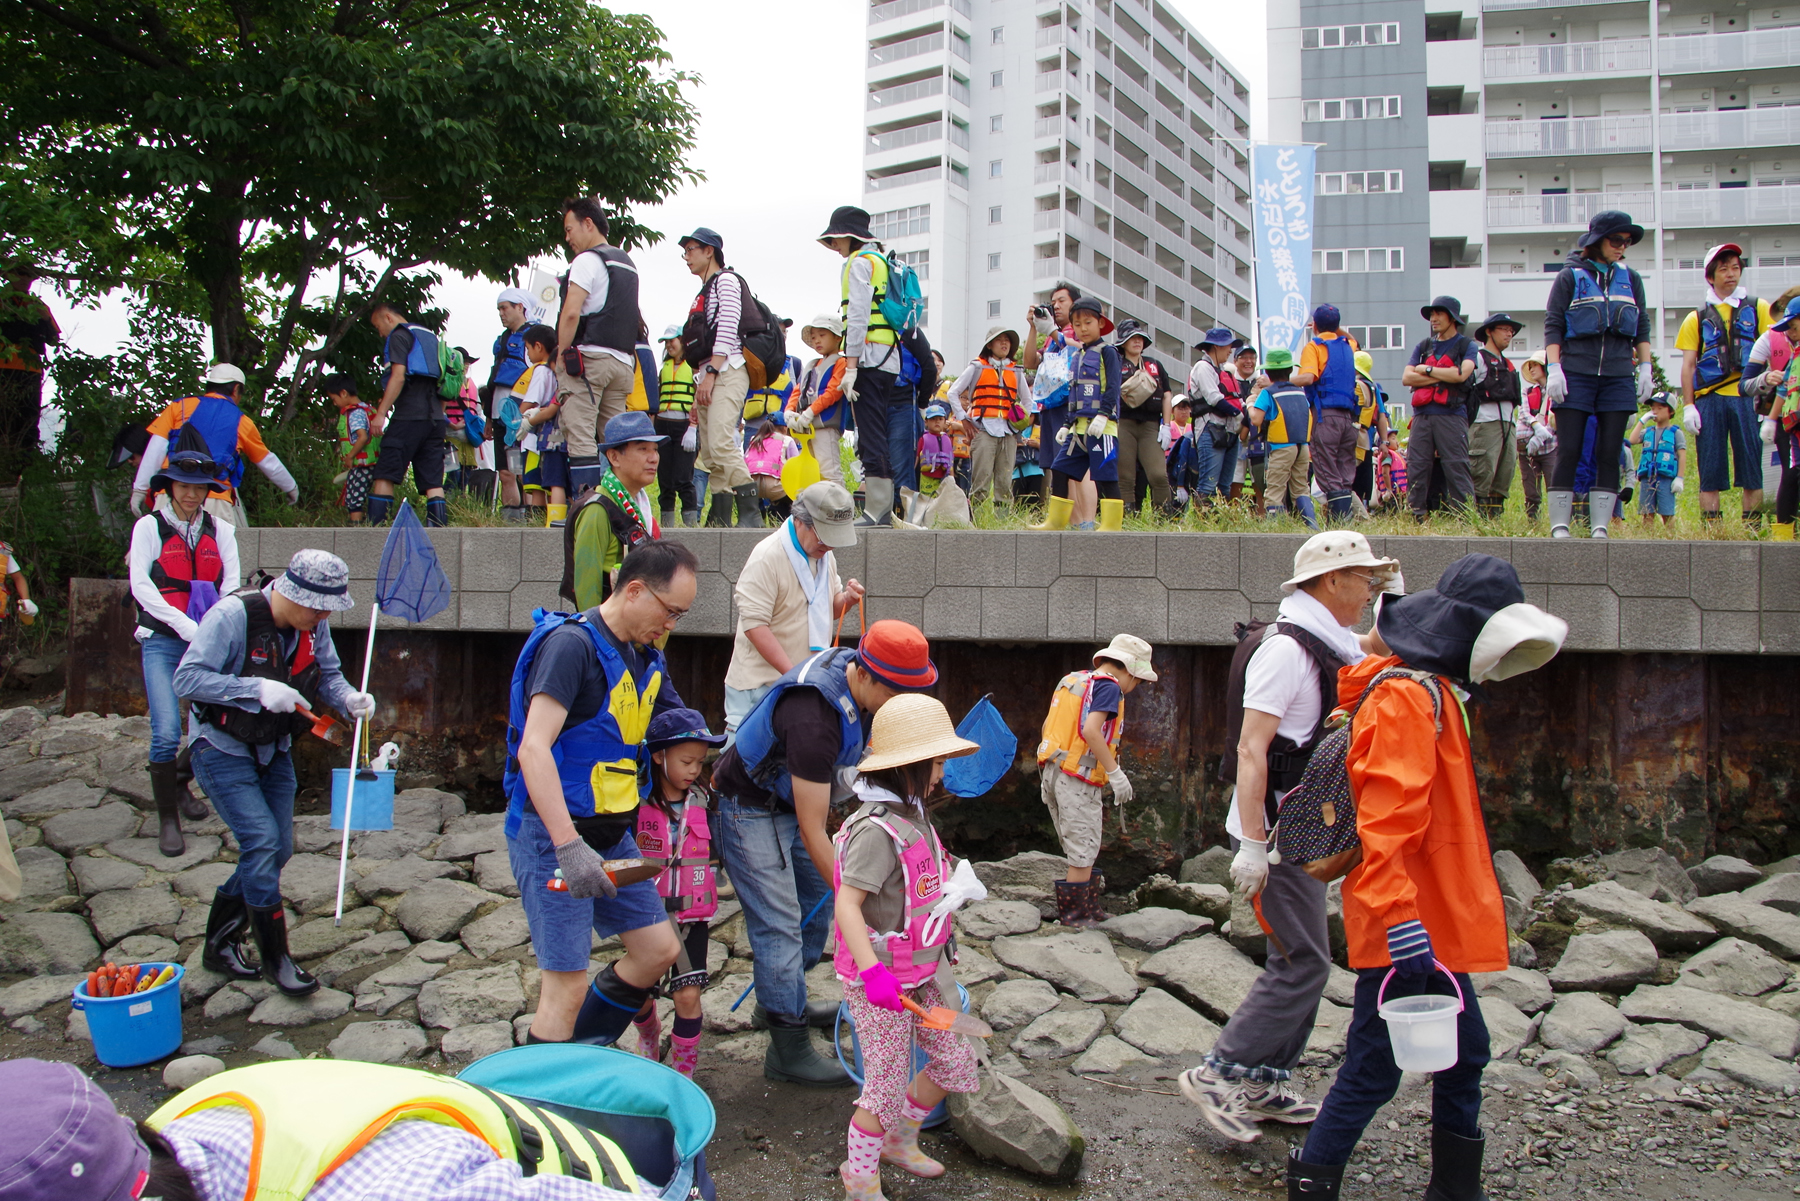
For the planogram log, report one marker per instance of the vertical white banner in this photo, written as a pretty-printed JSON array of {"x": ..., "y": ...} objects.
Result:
[{"x": 1282, "y": 177}]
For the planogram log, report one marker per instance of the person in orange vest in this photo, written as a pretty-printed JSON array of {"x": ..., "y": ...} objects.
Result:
[
  {"x": 989, "y": 398},
  {"x": 230, "y": 436}
]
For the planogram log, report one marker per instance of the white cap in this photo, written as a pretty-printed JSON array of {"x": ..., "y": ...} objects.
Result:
[
  {"x": 222, "y": 373},
  {"x": 673, "y": 331},
  {"x": 514, "y": 296},
  {"x": 1515, "y": 640},
  {"x": 1331, "y": 551}
]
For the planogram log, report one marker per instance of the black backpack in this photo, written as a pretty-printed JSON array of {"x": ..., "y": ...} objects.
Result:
[
  {"x": 759, "y": 333},
  {"x": 1287, "y": 758},
  {"x": 1500, "y": 381}
]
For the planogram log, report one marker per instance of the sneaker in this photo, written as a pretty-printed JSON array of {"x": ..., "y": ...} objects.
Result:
[
  {"x": 1278, "y": 1102},
  {"x": 1221, "y": 1103}
]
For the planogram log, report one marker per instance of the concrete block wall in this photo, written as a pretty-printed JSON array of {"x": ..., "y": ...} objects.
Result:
[{"x": 992, "y": 586}]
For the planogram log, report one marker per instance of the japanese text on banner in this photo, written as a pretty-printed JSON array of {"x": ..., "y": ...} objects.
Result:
[{"x": 1283, "y": 180}]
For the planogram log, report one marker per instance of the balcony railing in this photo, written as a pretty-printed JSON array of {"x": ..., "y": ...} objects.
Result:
[
  {"x": 912, "y": 135},
  {"x": 1742, "y": 127},
  {"x": 901, "y": 8},
  {"x": 1052, "y": 127},
  {"x": 1732, "y": 207},
  {"x": 959, "y": 91},
  {"x": 959, "y": 135},
  {"x": 918, "y": 89},
  {"x": 1046, "y": 219},
  {"x": 1055, "y": 172},
  {"x": 1730, "y": 51},
  {"x": 1052, "y": 35},
  {"x": 1574, "y": 58},
  {"x": 1570, "y": 135},
  {"x": 881, "y": 183},
  {"x": 1514, "y": 5},
  {"x": 1544, "y": 212},
  {"x": 910, "y": 48},
  {"x": 1046, "y": 268}
]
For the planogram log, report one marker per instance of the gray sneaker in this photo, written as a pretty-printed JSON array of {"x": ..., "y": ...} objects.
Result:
[
  {"x": 1278, "y": 1102},
  {"x": 1221, "y": 1103}
]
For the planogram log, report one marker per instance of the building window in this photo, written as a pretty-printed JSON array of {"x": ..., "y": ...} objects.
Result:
[
  {"x": 993, "y": 262},
  {"x": 996, "y": 123},
  {"x": 993, "y": 308},
  {"x": 1354, "y": 108},
  {"x": 1356, "y": 262},
  {"x": 1355, "y": 183},
  {"x": 1379, "y": 337},
  {"x": 996, "y": 79},
  {"x": 997, "y": 35},
  {"x": 918, "y": 260},
  {"x": 1338, "y": 37},
  {"x": 994, "y": 168},
  {"x": 994, "y": 214},
  {"x": 897, "y": 223}
]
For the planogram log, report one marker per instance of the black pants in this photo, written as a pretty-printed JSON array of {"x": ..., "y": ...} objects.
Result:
[
  {"x": 1787, "y": 493},
  {"x": 675, "y": 469},
  {"x": 418, "y": 444},
  {"x": 1445, "y": 435},
  {"x": 1571, "y": 432}
]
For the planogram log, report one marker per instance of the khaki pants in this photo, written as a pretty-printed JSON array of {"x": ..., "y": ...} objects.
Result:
[
  {"x": 826, "y": 445},
  {"x": 1287, "y": 468},
  {"x": 1139, "y": 450},
  {"x": 591, "y": 399},
  {"x": 721, "y": 450},
  {"x": 991, "y": 466},
  {"x": 1493, "y": 457},
  {"x": 1077, "y": 810}
]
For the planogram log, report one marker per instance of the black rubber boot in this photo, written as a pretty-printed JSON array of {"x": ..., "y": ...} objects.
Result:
[
  {"x": 1313, "y": 1181},
  {"x": 166, "y": 793},
  {"x": 749, "y": 508},
  {"x": 719, "y": 516},
  {"x": 223, "y": 950},
  {"x": 278, "y": 967},
  {"x": 607, "y": 1009},
  {"x": 793, "y": 1058},
  {"x": 192, "y": 807},
  {"x": 1455, "y": 1167},
  {"x": 820, "y": 1015},
  {"x": 1072, "y": 904}
]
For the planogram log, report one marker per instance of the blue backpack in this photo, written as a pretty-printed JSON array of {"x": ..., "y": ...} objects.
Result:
[{"x": 903, "y": 303}]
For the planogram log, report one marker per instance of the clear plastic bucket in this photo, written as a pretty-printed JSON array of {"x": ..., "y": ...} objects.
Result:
[{"x": 1422, "y": 1029}]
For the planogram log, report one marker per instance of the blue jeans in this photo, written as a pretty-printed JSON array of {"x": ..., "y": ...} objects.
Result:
[
  {"x": 905, "y": 427},
  {"x": 1368, "y": 1078},
  {"x": 1729, "y": 429},
  {"x": 258, "y": 805},
  {"x": 162, "y": 654},
  {"x": 777, "y": 885},
  {"x": 1216, "y": 466}
]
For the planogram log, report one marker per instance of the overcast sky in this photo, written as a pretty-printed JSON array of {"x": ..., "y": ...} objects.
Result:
[{"x": 803, "y": 68}]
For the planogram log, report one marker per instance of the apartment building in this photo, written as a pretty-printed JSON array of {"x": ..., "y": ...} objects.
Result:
[
  {"x": 1539, "y": 114},
  {"x": 1015, "y": 143}
]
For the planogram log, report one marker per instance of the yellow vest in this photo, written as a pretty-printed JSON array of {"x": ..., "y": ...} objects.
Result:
[
  {"x": 772, "y": 399},
  {"x": 313, "y": 1115},
  {"x": 879, "y": 329},
  {"x": 639, "y": 400},
  {"x": 677, "y": 387}
]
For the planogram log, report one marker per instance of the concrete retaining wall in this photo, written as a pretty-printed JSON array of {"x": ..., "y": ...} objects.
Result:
[{"x": 1181, "y": 589}]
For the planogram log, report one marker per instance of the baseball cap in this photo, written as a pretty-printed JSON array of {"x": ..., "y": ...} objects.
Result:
[
  {"x": 832, "y": 511},
  {"x": 222, "y": 373}
]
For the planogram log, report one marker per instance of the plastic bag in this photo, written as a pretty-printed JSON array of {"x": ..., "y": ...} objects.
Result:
[{"x": 973, "y": 775}]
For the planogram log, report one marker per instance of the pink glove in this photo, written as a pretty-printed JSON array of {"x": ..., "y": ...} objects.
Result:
[{"x": 881, "y": 987}]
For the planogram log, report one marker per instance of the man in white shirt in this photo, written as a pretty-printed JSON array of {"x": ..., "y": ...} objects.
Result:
[
  {"x": 1289, "y": 687},
  {"x": 597, "y": 334}
]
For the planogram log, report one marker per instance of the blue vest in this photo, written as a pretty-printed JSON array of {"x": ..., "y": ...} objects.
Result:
[
  {"x": 422, "y": 359},
  {"x": 216, "y": 419},
  {"x": 1291, "y": 422},
  {"x": 1602, "y": 306},
  {"x": 510, "y": 360},
  {"x": 1087, "y": 380},
  {"x": 600, "y": 762},
  {"x": 1658, "y": 458},
  {"x": 1336, "y": 385},
  {"x": 764, "y": 761},
  {"x": 1723, "y": 348}
]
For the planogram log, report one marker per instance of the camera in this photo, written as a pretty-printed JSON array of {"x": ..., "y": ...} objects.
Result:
[{"x": 1041, "y": 311}]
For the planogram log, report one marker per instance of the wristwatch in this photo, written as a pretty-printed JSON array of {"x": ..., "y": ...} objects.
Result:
[{"x": 709, "y": 369}]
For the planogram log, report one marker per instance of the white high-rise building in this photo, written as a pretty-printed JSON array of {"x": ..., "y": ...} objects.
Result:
[{"x": 1015, "y": 143}]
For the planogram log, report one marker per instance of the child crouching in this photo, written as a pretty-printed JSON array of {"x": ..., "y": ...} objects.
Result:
[
  {"x": 891, "y": 871},
  {"x": 672, "y": 829}
]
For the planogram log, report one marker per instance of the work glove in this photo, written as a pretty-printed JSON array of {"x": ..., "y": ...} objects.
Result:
[
  {"x": 360, "y": 705},
  {"x": 1250, "y": 867},
  {"x": 880, "y": 987},
  {"x": 1409, "y": 946},
  {"x": 138, "y": 497},
  {"x": 1121, "y": 786},
  {"x": 583, "y": 871},
  {"x": 1646, "y": 381},
  {"x": 1096, "y": 428},
  {"x": 1062, "y": 435},
  {"x": 293, "y": 495},
  {"x": 799, "y": 421},
  {"x": 1690, "y": 419},
  {"x": 1043, "y": 323},
  {"x": 690, "y": 441},
  {"x": 848, "y": 387},
  {"x": 276, "y": 697},
  {"x": 1556, "y": 384},
  {"x": 29, "y": 608},
  {"x": 1677, "y": 485}
]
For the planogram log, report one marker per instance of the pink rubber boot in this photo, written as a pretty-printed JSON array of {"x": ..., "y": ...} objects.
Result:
[
  {"x": 649, "y": 1034},
  {"x": 684, "y": 1054}
]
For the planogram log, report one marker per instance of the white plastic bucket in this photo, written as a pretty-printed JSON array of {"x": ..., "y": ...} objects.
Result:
[{"x": 1421, "y": 1029}]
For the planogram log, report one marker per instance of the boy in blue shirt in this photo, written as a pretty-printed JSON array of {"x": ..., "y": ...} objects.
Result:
[
  {"x": 1282, "y": 414},
  {"x": 1662, "y": 462},
  {"x": 1087, "y": 447}
]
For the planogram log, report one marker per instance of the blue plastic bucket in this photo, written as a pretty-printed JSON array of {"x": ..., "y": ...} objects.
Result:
[
  {"x": 939, "y": 1115},
  {"x": 138, "y": 1028},
  {"x": 374, "y": 800}
]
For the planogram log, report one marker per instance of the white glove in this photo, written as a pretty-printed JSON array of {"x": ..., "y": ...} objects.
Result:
[
  {"x": 799, "y": 421},
  {"x": 1646, "y": 417},
  {"x": 1062, "y": 435},
  {"x": 1096, "y": 428},
  {"x": 28, "y": 607},
  {"x": 1646, "y": 381},
  {"x": 360, "y": 704},
  {"x": 690, "y": 441},
  {"x": 1250, "y": 866},
  {"x": 138, "y": 497},
  {"x": 277, "y": 697},
  {"x": 1556, "y": 384},
  {"x": 293, "y": 495},
  {"x": 1690, "y": 419},
  {"x": 1677, "y": 485},
  {"x": 964, "y": 887},
  {"x": 1043, "y": 324},
  {"x": 1121, "y": 786},
  {"x": 848, "y": 387}
]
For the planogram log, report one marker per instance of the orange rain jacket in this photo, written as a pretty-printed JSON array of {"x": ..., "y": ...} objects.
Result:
[{"x": 1425, "y": 847}]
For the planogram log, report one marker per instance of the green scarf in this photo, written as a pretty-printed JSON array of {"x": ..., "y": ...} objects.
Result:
[{"x": 610, "y": 485}]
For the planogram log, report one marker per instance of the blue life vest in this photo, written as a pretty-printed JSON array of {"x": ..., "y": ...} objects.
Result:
[
  {"x": 510, "y": 359},
  {"x": 422, "y": 359},
  {"x": 1601, "y": 306},
  {"x": 1336, "y": 385},
  {"x": 216, "y": 419},
  {"x": 1724, "y": 347},
  {"x": 602, "y": 761},
  {"x": 1658, "y": 461},
  {"x": 1087, "y": 383},
  {"x": 1290, "y": 424},
  {"x": 764, "y": 762}
]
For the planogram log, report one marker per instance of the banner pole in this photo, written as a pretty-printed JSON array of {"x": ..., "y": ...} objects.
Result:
[{"x": 350, "y": 783}]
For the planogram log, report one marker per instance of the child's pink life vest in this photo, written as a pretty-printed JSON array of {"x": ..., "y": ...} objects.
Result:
[
  {"x": 687, "y": 883},
  {"x": 914, "y": 952}
]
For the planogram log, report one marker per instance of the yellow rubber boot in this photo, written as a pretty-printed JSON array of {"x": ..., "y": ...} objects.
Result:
[
  {"x": 1056, "y": 514},
  {"x": 1781, "y": 531},
  {"x": 554, "y": 516},
  {"x": 1112, "y": 514}
]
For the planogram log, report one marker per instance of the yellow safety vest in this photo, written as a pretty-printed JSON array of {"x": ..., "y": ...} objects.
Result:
[
  {"x": 763, "y": 401},
  {"x": 879, "y": 329},
  {"x": 1061, "y": 742},
  {"x": 677, "y": 387},
  {"x": 311, "y": 1116}
]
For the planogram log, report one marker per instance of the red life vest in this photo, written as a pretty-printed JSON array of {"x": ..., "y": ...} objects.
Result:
[
  {"x": 177, "y": 566},
  {"x": 996, "y": 392},
  {"x": 1448, "y": 395}
]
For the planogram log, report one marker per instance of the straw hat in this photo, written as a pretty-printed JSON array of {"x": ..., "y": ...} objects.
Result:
[{"x": 913, "y": 728}]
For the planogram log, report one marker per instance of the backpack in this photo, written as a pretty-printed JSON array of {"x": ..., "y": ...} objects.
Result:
[
  {"x": 903, "y": 303},
  {"x": 760, "y": 335},
  {"x": 1286, "y": 757},
  {"x": 451, "y": 370},
  {"x": 1500, "y": 381},
  {"x": 1315, "y": 825}
]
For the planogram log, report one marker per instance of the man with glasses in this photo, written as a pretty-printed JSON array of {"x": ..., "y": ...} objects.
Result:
[
  {"x": 1281, "y": 688},
  {"x": 582, "y": 696}
]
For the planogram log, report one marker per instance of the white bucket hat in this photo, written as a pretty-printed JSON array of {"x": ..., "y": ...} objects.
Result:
[
  {"x": 831, "y": 323},
  {"x": 1333, "y": 550},
  {"x": 1130, "y": 652},
  {"x": 1515, "y": 640}
]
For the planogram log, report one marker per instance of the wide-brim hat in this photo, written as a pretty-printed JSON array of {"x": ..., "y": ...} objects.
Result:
[
  {"x": 131, "y": 440},
  {"x": 705, "y": 237},
  {"x": 316, "y": 579},
  {"x": 630, "y": 426},
  {"x": 1515, "y": 640},
  {"x": 1496, "y": 320},
  {"x": 897, "y": 654},
  {"x": 1217, "y": 336},
  {"x": 674, "y": 726},
  {"x": 1334, "y": 550},
  {"x": 830, "y": 323},
  {"x": 1001, "y": 331},
  {"x": 848, "y": 221},
  {"x": 1437, "y": 630},
  {"x": 1090, "y": 304},
  {"x": 914, "y": 728},
  {"x": 1604, "y": 225},
  {"x": 1449, "y": 304},
  {"x": 1279, "y": 360},
  {"x": 1130, "y": 652},
  {"x": 1365, "y": 362}
]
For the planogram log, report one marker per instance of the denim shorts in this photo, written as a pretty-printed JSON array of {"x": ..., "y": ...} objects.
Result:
[
  {"x": 561, "y": 924},
  {"x": 1729, "y": 429},
  {"x": 1656, "y": 496}
]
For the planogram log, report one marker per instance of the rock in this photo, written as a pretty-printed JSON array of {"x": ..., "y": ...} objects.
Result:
[
  {"x": 1060, "y": 1033},
  {"x": 489, "y": 994},
  {"x": 426, "y": 809},
  {"x": 493, "y": 872},
  {"x": 1716, "y": 1015},
  {"x": 993, "y": 919},
  {"x": 78, "y": 829},
  {"x": 1768, "y": 928},
  {"x": 76, "y": 1029},
  {"x": 1081, "y": 962},
  {"x": 1207, "y": 972},
  {"x": 1747, "y": 1065},
  {"x": 1781, "y": 867},
  {"x": 54, "y": 798},
  {"x": 379, "y": 1042},
  {"x": 822, "y": 984},
  {"x": 189, "y": 1070},
  {"x": 1108, "y": 1055},
  {"x": 309, "y": 883},
  {"x": 1520, "y": 953},
  {"x": 437, "y": 952},
  {"x": 214, "y": 1045},
  {"x": 198, "y": 981},
  {"x": 972, "y": 968},
  {"x": 1202, "y": 900},
  {"x": 504, "y": 927},
  {"x": 201, "y": 882},
  {"x": 1653, "y": 872},
  {"x": 472, "y": 1042},
  {"x": 326, "y": 1005},
  {"x": 375, "y": 845},
  {"x": 1154, "y": 929},
  {"x": 1509, "y": 1030},
  {"x": 1246, "y": 933},
  {"x": 276, "y": 1047},
  {"x": 314, "y": 833},
  {"x": 201, "y": 848},
  {"x": 126, "y": 911},
  {"x": 1526, "y": 990},
  {"x": 1009, "y": 1121},
  {"x": 44, "y": 873},
  {"x": 467, "y": 837},
  {"x": 322, "y": 935},
  {"x": 1033, "y": 873},
  {"x": 1644, "y": 1049},
  {"x": 35, "y": 992},
  {"x": 1607, "y": 960},
  {"x": 1518, "y": 914},
  {"x": 1734, "y": 966},
  {"x": 1669, "y": 927},
  {"x": 1515, "y": 878},
  {"x": 1565, "y": 1067},
  {"x": 1330, "y": 1031},
  {"x": 1582, "y": 1023},
  {"x": 438, "y": 909},
  {"x": 715, "y": 1004},
  {"x": 382, "y": 1001},
  {"x": 1340, "y": 987},
  {"x": 1723, "y": 873},
  {"x": 19, "y": 722},
  {"x": 1777, "y": 892},
  {"x": 1015, "y": 1003},
  {"x": 1158, "y": 1024},
  {"x": 521, "y": 1027},
  {"x": 228, "y": 1003},
  {"x": 1211, "y": 866},
  {"x": 35, "y": 943},
  {"x": 371, "y": 948},
  {"x": 144, "y": 948},
  {"x": 1787, "y": 1001},
  {"x": 25, "y": 778}
]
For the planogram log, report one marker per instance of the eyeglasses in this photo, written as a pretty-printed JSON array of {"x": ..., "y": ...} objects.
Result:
[
  {"x": 1371, "y": 581},
  {"x": 1618, "y": 241},
  {"x": 196, "y": 464},
  {"x": 673, "y": 614}
]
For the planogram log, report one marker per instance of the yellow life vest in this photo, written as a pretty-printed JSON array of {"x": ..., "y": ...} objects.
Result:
[
  {"x": 1062, "y": 743},
  {"x": 639, "y": 400},
  {"x": 879, "y": 329},
  {"x": 677, "y": 387},
  {"x": 311, "y": 1116},
  {"x": 772, "y": 399}
]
